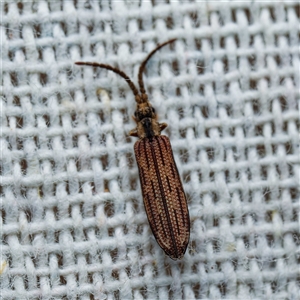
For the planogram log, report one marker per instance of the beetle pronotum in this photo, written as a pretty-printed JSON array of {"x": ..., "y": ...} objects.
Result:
[{"x": 163, "y": 194}]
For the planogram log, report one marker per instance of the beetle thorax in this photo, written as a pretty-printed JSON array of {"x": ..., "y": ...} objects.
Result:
[{"x": 146, "y": 119}]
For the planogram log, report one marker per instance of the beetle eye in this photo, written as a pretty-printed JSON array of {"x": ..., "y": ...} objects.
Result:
[
  {"x": 153, "y": 110},
  {"x": 135, "y": 114}
]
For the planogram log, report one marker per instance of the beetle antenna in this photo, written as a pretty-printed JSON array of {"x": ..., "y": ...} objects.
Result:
[
  {"x": 119, "y": 72},
  {"x": 143, "y": 65}
]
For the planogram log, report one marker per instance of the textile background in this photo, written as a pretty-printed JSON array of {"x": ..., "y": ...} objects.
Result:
[{"x": 73, "y": 221}]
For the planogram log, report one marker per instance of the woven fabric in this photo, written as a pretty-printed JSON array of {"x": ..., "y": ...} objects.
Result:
[{"x": 73, "y": 220}]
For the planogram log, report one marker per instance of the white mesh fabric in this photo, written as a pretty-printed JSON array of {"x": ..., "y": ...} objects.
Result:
[{"x": 73, "y": 221}]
